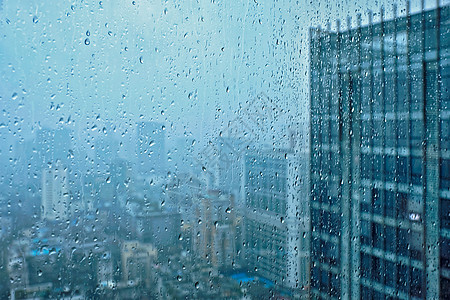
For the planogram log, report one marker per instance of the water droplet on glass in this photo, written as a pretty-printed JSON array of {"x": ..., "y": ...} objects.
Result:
[
  {"x": 87, "y": 41},
  {"x": 35, "y": 19},
  {"x": 141, "y": 60}
]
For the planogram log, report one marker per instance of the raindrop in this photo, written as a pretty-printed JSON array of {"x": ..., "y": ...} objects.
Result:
[
  {"x": 197, "y": 285},
  {"x": 35, "y": 19},
  {"x": 87, "y": 41},
  {"x": 14, "y": 96},
  {"x": 108, "y": 180},
  {"x": 39, "y": 273},
  {"x": 141, "y": 60},
  {"x": 228, "y": 210},
  {"x": 88, "y": 33}
]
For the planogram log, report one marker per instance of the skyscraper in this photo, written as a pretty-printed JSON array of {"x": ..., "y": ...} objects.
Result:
[
  {"x": 276, "y": 218},
  {"x": 151, "y": 148},
  {"x": 380, "y": 120},
  {"x": 53, "y": 145},
  {"x": 55, "y": 194},
  {"x": 214, "y": 230}
]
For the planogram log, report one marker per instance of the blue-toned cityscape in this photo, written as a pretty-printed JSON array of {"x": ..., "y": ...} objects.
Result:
[{"x": 111, "y": 189}]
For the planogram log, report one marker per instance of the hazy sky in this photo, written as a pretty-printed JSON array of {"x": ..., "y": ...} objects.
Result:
[{"x": 189, "y": 64}]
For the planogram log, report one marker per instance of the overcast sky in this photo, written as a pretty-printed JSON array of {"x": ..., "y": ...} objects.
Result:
[{"x": 189, "y": 64}]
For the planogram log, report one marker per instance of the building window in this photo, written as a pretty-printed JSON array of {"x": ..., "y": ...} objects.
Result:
[{"x": 416, "y": 170}]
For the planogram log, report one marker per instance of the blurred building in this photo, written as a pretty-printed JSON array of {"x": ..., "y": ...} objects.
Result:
[
  {"x": 108, "y": 185},
  {"x": 55, "y": 193},
  {"x": 137, "y": 261},
  {"x": 48, "y": 147},
  {"x": 380, "y": 161},
  {"x": 151, "y": 148},
  {"x": 182, "y": 190},
  {"x": 183, "y": 156},
  {"x": 225, "y": 165},
  {"x": 160, "y": 228},
  {"x": 214, "y": 230},
  {"x": 277, "y": 218}
]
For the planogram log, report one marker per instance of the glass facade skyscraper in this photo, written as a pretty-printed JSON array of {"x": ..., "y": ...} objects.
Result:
[{"x": 380, "y": 158}]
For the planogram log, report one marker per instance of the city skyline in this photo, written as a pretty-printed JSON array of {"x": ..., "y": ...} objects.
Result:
[{"x": 215, "y": 150}]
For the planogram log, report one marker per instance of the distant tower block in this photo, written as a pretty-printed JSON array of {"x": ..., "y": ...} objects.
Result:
[{"x": 55, "y": 194}]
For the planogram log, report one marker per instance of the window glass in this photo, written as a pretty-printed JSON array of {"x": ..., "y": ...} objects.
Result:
[{"x": 210, "y": 149}]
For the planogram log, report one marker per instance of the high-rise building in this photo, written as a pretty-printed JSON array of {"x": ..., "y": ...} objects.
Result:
[
  {"x": 225, "y": 166},
  {"x": 51, "y": 145},
  {"x": 46, "y": 148},
  {"x": 228, "y": 167},
  {"x": 214, "y": 230},
  {"x": 380, "y": 120},
  {"x": 276, "y": 219},
  {"x": 151, "y": 148},
  {"x": 55, "y": 193}
]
